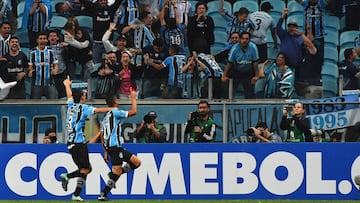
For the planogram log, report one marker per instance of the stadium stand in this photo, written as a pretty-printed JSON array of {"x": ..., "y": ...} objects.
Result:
[
  {"x": 329, "y": 77},
  {"x": 332, "y": 23},
  {"x": 57, "y": 22},
  {"x": 331, "y": 55},
  {"x": 213, "y": 7},
  {"x": 219, "y": 22},
  {"x": 347, "y": 38},
  {"x": 295, "y": 8},
  {"x": 331, "y": 39},
  {"x": 252, "y": 6}
]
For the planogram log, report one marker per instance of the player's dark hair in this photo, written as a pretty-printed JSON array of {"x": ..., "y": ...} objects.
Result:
[
  {"x": 110, "y": 99},
  {"x": 175, "y": 48},
  {"x": 77, "y": 94}
]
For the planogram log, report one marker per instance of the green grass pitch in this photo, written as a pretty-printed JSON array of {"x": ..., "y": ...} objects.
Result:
[{"x": 187, "y": 201}]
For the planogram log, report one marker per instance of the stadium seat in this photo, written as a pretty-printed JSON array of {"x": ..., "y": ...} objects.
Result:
[
  {"x": 216, "y": 48},
  {"x": 252, "y": 6},
  {"x": 330, "y": 87},
  {"x": 330, "y": 70},
  {"x": 259, "y": 88},
  {"x": 58, "y": 22},
  {"x": 331, "y": 55},
  {"x": 342, "y": 23},
  {"x": 295, "y": 8},
  {"x": 270, "y": 40},
  {"x": 332, "y": 23},
  {"x": 85, "y": 22},
  {"x": 347, "y": 38},
  {"x": 221, "y": 37},
  {"x": 23, "y": 38},
  {"x": 213, "y": 7},
  {"x": 26, "y": 51},
  {"x": 331, "y": 39},
  {"x": 272, "y": 52},
  {"x": 219, "y": 22},
  {"x": 193, "y": 4}
]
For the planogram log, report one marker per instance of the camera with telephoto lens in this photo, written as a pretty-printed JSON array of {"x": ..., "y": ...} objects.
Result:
[
  {"x": 314, "y": 133},
  {"x": 149, "y": 119},
  {"x": 195, "y": 116},
  {"x": 251, "y": 132}
]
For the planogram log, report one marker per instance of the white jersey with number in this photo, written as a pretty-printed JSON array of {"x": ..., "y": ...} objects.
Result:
[{"x": 262, "y": 21}]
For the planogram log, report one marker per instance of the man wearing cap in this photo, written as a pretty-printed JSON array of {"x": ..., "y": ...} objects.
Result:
[
  {"x": 150, "y": 131},
  {"x": 259, "y": 34},
  {"x": 263, "y": 134},
  {"x": 291, "y": 41}
]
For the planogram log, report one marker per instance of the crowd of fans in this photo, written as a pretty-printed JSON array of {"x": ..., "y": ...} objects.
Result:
[{"x": 164, "y": 50}]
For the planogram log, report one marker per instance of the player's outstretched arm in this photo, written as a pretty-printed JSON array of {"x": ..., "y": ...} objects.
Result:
[
  {"x": 67, "y": 83},
  {"x": 133, "y": 109}
]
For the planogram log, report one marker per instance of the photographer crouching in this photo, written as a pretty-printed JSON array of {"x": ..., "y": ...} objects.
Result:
[
  {"x": 262, "y": 133},
  {"x": 200, "y": 125},
  {"x": 150, "y": 131}
]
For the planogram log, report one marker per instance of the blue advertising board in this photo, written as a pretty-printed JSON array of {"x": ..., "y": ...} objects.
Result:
[
  {"x": 190, "y": 171},
  {"x": 27, "y": 123}
]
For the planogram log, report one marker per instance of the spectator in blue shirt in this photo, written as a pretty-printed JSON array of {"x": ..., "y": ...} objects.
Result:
[
  {"x": 243, "y": 64},
  {"x": 291, "y": 42}
]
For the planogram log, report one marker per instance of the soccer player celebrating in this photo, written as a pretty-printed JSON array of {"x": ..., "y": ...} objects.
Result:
[
  {"x": 112, "y": 141},
  {"x": 76, "y": 116}
]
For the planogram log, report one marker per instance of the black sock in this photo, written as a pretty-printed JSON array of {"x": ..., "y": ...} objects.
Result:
[
  {"x": 80, "y": 184},
  {"x": 111, "y": 183},
  {"x": 74, "y": 174}
]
